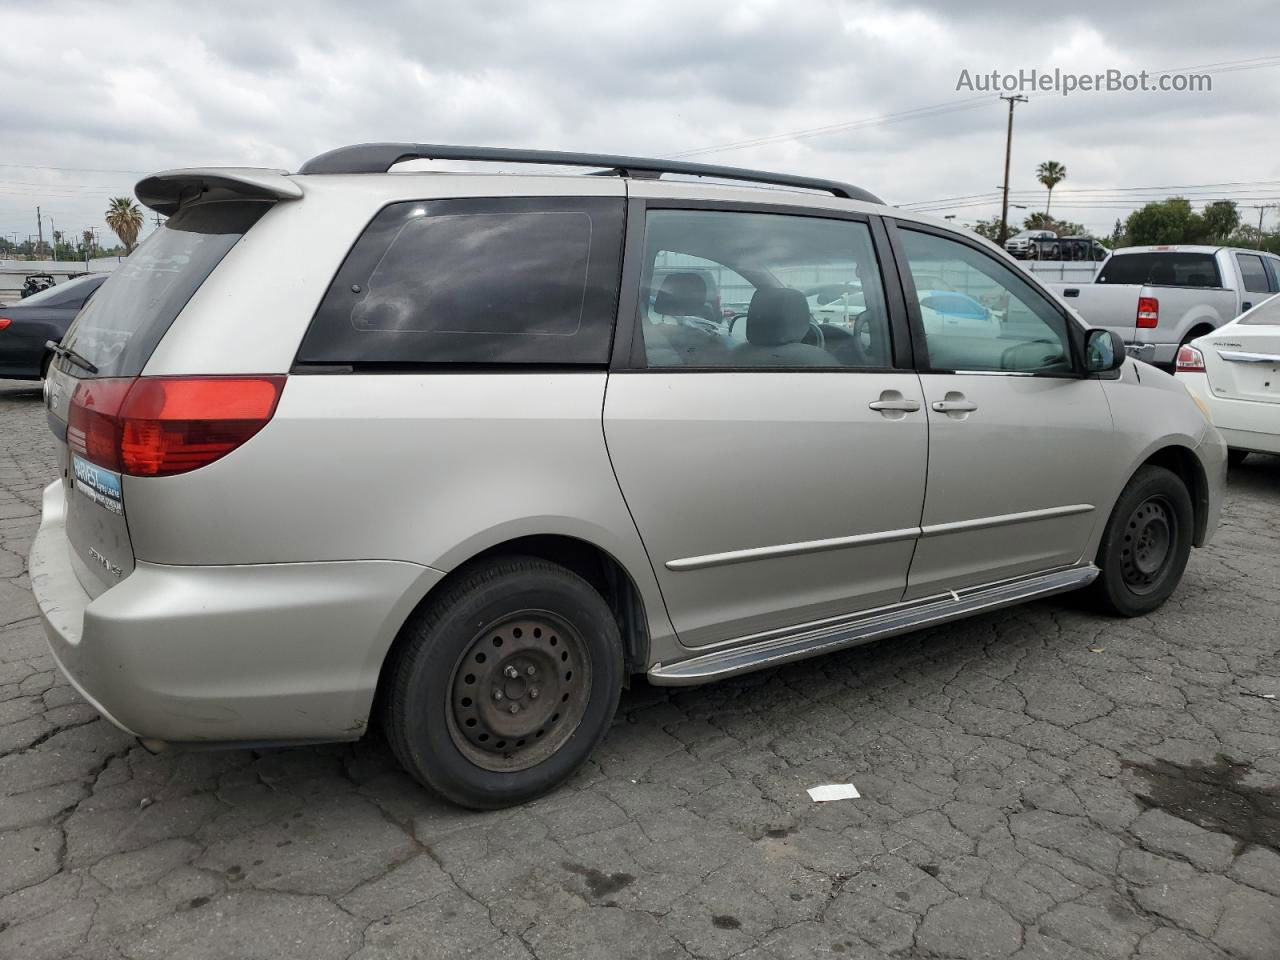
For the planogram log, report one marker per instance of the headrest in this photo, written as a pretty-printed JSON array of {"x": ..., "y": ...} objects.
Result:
[
  {"x": 777, "y": 315},
  {"x": 682, "y": 295}
]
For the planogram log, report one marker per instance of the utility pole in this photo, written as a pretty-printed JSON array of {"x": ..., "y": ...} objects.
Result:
[
  {"x": 39, "y": 230},
  {"x": 1262, "y": 209},
  {"x": 1008, "y": 151}
]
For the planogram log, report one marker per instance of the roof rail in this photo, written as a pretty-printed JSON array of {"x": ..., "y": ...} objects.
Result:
[{"x": 380, "y": 157}]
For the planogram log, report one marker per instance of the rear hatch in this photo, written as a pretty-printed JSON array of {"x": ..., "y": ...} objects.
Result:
[
  {"x": 1242, "y": 361},
  {"x": 103, "y": 353}
]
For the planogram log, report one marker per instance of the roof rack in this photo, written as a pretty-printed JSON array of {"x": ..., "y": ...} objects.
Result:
[{"x": 380, "y": 157}]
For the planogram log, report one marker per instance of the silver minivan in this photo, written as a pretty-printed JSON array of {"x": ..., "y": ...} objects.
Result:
[{"x": 465, "y": 452}]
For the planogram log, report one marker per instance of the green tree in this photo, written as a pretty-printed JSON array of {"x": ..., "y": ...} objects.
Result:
[
  {"x": 1220, "y": 220},
  {"x": 1117, "y": 234},
  {"x": 1060, "y": 228},
  {"x": 1166, "y": 221},
  {"x": 988, "y": 228},
  {"x": 1050, "y": 173},
  {"x": 125, "y": 220}
]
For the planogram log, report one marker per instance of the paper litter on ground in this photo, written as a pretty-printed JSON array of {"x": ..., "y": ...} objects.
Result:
[{"x": 834, "y": 791}]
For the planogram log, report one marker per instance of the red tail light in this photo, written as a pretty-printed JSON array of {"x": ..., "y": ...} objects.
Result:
[
  {"x": 1190, "y": 360},
  {"x": 1148, "y": 312},
  {"x": 4, "y": 322},
  {"x": 160, "y": 426}
]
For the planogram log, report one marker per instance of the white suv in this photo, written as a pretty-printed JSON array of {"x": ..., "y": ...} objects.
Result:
[{"x": 445, "y": 442}]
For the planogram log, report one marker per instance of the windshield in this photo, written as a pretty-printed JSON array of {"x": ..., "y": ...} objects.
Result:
[
  {"x": 121, "y": 325},
  {"x": 67, "y": 290}
]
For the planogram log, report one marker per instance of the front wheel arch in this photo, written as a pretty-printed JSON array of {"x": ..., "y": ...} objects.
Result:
[{"x": 1186, "y": 465}]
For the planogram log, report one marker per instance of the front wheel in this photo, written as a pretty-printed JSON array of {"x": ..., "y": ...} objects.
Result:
[
  {"x": 504, "y": 684},
  {"x": 1146, "y": 543}
]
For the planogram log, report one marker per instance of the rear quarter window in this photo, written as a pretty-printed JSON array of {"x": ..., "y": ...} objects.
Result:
[{"x": 479, "y": 281}]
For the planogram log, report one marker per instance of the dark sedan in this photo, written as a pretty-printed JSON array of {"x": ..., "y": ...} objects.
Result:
[{"x": 25, "y": 326}]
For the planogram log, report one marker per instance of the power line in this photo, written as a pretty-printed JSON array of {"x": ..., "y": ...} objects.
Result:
[
  {"x": 40, "y": 166},
  {"x": 930, "y": 110},
  {"x": 1224, "y": 66}
]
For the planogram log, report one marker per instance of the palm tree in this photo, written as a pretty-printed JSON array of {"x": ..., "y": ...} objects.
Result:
[
  {"x": 87, "y": 243},
  {"x": 1050, "y": 173},
  {"x": 125, "y": 220}
]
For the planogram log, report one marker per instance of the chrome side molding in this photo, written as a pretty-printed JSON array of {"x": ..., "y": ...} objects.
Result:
[
  {"x": 1240, "y": 356},
  {"x": 868, "y": 539},
  {"x": 792, "y": 549},
  {"x": 809, "y": 640}
]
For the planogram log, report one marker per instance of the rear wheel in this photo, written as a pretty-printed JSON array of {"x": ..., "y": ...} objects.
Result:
[
  {"x": 1236, "y": 457},
  {"x": 1146, "y": 543},
  {"x": 503, "y": 685}
]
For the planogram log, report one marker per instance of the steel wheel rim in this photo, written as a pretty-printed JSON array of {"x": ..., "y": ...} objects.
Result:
[
  {"x": 1148, "y": 545},
  {"x": 534, "y": 661}
]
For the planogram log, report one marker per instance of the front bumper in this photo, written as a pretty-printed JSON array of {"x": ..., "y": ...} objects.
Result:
[{"x": 225, "y": 654}]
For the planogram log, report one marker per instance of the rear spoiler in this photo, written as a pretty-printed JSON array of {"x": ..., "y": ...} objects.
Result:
[{"x": 167, "y": 191}]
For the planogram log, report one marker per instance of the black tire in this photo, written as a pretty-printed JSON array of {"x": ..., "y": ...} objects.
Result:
[
  {"x": 1146, "y": 543},
  {"x": 1236, "y": 457},
  {"x": 517, "y": 631}
]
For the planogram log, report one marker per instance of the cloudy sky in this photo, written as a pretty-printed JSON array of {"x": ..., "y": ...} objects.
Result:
[{"x": 95, "y": 95}]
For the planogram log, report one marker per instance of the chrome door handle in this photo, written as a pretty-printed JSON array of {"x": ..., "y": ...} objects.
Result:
[
  {"x": 905, "y": 406},
  {"x": 954, "y": 406}
]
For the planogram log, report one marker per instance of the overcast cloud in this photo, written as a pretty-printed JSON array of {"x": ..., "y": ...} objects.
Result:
[{"x": 137, "y": 87}]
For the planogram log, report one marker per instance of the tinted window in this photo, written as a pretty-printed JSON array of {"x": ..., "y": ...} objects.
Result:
[
  {"x": 476, "y": 281},
  {"x": 1162, "y": 269},
  {"x": 761, "y": 290},
  {"x": 132, "y": 310},
  {"x": 980, "y": 315},
  {"x": 1253, "y": 273}
]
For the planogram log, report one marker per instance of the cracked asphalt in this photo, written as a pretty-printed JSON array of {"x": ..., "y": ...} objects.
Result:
[{"x": 1036, "y": 783}]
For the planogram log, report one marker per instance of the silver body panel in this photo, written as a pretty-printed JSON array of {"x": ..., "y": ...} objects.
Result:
[
  {"x": 759, "y": 463},
  {"x": 258, "y": 596}
]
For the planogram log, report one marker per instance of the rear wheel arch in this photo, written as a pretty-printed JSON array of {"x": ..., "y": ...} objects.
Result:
[
  {"x": 595, "y": 565},
  {"x": 1197, "y": 330}
]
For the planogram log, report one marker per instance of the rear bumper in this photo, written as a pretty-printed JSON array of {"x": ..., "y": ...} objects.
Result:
[
  {"x": 264, "y": 652},
  {"x": 1161, "y": 354},
  {"x": 1244, "y": 424}
]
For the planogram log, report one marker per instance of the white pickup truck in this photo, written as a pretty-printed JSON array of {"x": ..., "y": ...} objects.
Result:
[{"x": 1158, "y": 298}]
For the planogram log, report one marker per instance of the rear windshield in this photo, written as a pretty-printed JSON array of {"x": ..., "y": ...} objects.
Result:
[
  {"x": 121, "y": 325},
  {"x": 1170, "y": 269}
]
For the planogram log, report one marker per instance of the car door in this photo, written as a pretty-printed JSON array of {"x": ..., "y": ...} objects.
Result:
[
  {"x": 1013, "y": 426},
  {"x": 774, "y": 465},
  {"x": 1254, "y": 280}
]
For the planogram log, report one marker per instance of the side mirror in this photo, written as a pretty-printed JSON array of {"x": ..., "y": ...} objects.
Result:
[{"x": 1103, "y": 351}]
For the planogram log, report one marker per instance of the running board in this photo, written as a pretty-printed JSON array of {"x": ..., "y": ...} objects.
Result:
[{"x": 754, "y": 654}]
